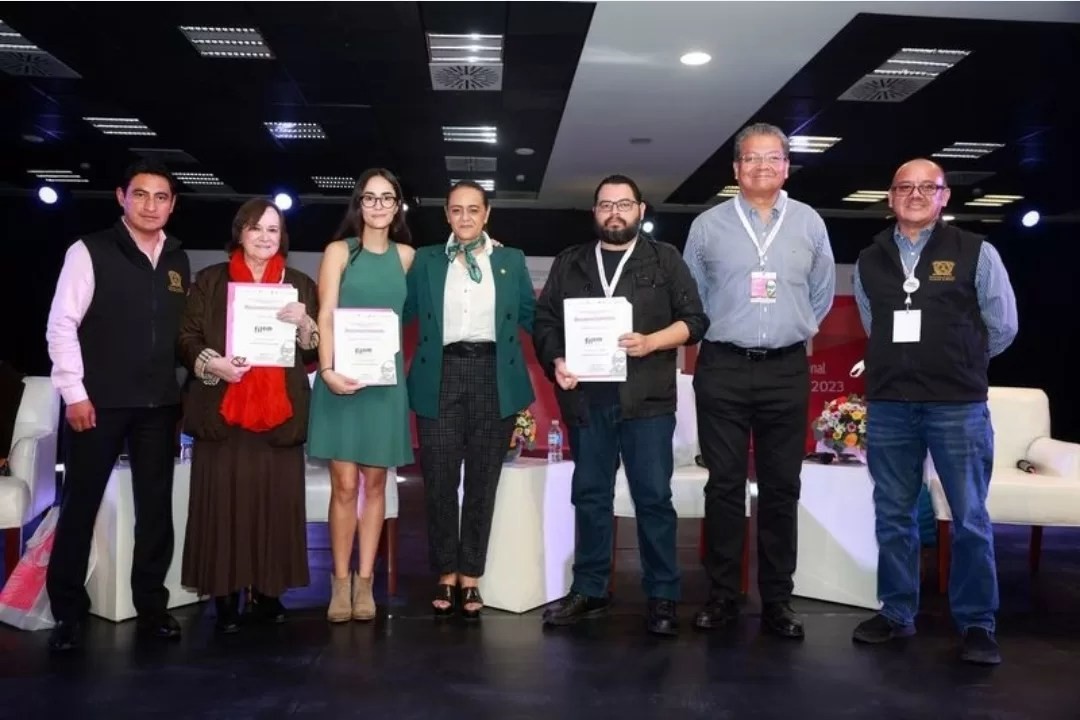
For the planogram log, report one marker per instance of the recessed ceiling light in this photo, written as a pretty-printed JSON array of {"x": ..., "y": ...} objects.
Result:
[
  {"x": 486, "y": 183},
  {"x": 811, "y": 143},
  {"x": 33, "y": 138},
  {"x": 729, "y": 191},
  {"x": 120, "y": 126},
  {"x": 994, "y": 200},
  {"x": 968, "y": 150},
  {"x": 472, "y": 48},
  {"x": 471, "y": 164},
  {"x": 695, "y": 58},
  {"x": 27, "y": 59},
  {"x": 296, "y": 130},
  {"x": 334, "y": 182},
  {"x": 867, "y": 196},
  {"x": 59, "y": 176},
  {"x": 470, "y": 133},
  {"x": 524, "y": 151},
  {"x": 227, "y": 42}
]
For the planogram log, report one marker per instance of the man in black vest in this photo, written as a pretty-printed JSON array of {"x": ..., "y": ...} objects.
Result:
[
  {"x": 112, "y": 340},
  {"x": 937, "y": 304}
]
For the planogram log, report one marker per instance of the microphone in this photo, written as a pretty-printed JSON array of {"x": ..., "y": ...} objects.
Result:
[{"x": 1026, "y": 466}]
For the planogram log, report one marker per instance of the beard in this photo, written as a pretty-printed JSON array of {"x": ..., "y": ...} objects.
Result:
[{"x": 617, "y": 236}]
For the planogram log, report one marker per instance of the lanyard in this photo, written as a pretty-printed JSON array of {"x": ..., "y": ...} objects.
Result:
[
  {"x": 762, "y": 248},
  {"x": 609, "y": 289}
]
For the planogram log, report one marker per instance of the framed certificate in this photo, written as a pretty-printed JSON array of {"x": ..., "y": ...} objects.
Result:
[
  {"x": 366, "y": 344},
  {"x": 593, "y": 327},
  {"x": 252, "y": 330}
]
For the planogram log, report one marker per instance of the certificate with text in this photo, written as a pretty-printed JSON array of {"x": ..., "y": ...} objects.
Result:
[
  {"x": 366, "y": 344},
  {"x": 593, "y": 327},
  {"x": 252, "y": 329}
]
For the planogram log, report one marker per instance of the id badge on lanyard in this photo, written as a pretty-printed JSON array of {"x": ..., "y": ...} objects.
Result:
[{"x": 763, "y": 285}]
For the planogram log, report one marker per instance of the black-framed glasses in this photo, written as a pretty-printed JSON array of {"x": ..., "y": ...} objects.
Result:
[
  {"x": 370, "y": 201},
  {"x": 620, "y": 205},
  {"x": 925, "y": 189}
]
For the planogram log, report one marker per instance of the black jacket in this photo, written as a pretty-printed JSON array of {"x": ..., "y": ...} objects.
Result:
[{"x": 661, "y": 290}]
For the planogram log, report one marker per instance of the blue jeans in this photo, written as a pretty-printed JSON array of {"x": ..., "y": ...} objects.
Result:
[
  {"x": 961, "y": 442},
  {"x": 645, "y": 446}
]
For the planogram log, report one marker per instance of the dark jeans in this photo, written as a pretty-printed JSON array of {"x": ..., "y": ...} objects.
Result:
[
  {"x": 768, "y": 398},
  {"x": 151, "y": 440},
  {"x": 645, "y": 446},
  {"x": 961, "y": 442}
]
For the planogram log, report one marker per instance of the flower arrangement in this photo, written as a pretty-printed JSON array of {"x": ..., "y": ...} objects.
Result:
[
  {"x": 524, "y": 430},
  {"x": 842, "y": 425}
]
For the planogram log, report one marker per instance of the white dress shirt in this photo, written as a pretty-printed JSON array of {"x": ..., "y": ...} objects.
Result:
[{"x": 469, "y": 307}]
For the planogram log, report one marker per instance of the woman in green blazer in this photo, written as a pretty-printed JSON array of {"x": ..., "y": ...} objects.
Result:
[{"x": 467, "y": 382}]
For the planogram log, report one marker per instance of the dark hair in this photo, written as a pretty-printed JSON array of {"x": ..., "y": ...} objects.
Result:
[
  {"x": 469, "y": 184},
  {"x": 147, "y": 166},
  {"x": 248, "y": 215},
  {"x": 352, "y": 225},
  {"x": 761, "y": 129},
  {"x": 617, "y": 180}
]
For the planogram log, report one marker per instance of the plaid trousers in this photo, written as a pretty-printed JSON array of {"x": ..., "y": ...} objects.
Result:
[{"x": 470, "y": 430}]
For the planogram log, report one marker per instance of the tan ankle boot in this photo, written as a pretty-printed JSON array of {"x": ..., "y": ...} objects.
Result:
[
  {"x": 363, "y": 602},
  {"x": 339, "y": 610}
]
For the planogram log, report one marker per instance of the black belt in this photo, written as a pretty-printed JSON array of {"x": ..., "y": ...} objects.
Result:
[
  {"x": 758, "y": 353},
  {"x": 469, "y": 349}
]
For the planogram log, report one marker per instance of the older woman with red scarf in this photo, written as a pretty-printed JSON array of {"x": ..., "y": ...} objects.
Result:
[{"x": 246, "y": 520}]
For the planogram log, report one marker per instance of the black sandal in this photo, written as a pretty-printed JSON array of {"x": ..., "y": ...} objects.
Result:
[
  {"x": 471, "y": 596},
  {"x": 445, "y": 593}
]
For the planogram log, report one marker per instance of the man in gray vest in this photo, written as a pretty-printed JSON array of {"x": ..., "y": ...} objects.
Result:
[
  {"x": 112, "y": 335},
  {"x": 937, "y": 304}
]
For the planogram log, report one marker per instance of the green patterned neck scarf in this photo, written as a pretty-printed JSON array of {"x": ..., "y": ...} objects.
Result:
[{"x": 455, "y": 247}]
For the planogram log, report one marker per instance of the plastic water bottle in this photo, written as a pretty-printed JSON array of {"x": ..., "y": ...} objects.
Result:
[
  {"x": 186, "y": 444},
  {"x": 555, "y": 439}
]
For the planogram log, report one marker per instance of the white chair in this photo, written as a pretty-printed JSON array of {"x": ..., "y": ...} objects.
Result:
[
  {"x": 687, "y": 481},
  {"x": 31, "y": 488},
  {"x": 317, "y": 504},
  {"x": 1048, "y": 497}
]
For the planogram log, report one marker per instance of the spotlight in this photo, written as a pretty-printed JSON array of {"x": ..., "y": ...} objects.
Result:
[
  {"x": 283, "y": 201},
  {"x": 1030, "y": 219},
  {"x": 47, "y": 195},
  {"x": 647, "y": 226}
]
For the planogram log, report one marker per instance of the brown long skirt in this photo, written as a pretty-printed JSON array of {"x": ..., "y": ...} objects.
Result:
[{"x": 246, "y": 520}]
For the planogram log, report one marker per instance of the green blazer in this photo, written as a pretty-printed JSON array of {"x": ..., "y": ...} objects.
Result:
[{"x": 515, "y": 305}]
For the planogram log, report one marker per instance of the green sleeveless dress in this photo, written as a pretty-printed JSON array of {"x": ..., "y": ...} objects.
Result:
[{"x": 370, "y": 427}]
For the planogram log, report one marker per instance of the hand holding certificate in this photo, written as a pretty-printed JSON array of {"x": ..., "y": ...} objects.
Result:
[
  {"x": 593, "y": 328},
  {"x": 366, "y": 344},
  {"x": 253, "y": 331}
]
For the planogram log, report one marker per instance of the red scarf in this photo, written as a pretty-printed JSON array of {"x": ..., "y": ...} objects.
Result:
[{"x": 259, "y": 402}]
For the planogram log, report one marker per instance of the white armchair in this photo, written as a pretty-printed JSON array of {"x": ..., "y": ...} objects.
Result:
[
  {"x": 687, "y": 480},
  {"x": 31, "y": 488},
  {"x": 1050, "y": 496}
]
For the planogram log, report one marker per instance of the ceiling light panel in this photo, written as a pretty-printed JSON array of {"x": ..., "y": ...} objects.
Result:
[
  {"x": 227, "y": 42},
  {"x": 470, "y": 133},
  {"x": 968, "y": 150},
  {"x": 904, "y": 74},
  {"x": 296, "y": 130},
  {"x": 58, "y": 176},
  {"x": 334, "y": 182},
  {"x": 867, "y": 196},
  {"x": 19, "y": 56},
  {"x": 197, "y": 178},
  {"x": 471, "y": 164},
  {"x": 470, "y": 48},
  {"x": 120, "y": 126},
  {"x": 811, "y": 143},
  {"x": 486, "y": 183},
  {"x": 729, "y": 191}
]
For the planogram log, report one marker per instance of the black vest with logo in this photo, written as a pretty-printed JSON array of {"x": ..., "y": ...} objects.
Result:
[
  {"x": 949, "y": 362},
  {"x": 129, "y": 333}
]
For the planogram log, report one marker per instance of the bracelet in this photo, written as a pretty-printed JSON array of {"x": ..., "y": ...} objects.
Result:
[{"x": 322, "y": 370}]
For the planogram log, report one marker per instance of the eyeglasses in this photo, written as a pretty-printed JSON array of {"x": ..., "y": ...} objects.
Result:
[
  {"x": 369, "y": 201},
  {"x": 620, "y": 205},
  {"x": 925, "y": 189},
  {"x": 770, "y": 159}
]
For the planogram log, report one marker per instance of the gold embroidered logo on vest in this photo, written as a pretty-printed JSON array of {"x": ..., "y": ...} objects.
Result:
[
  {"x": 176, "y": 285},
  {"x": 942, "y": 270}
]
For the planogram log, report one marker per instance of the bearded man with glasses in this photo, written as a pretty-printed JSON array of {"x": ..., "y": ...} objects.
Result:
[
  {"x": 766, "y": 273},
  {"x": 937, "y": 304}
]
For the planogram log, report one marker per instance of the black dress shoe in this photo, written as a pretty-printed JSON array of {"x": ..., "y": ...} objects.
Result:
[
  {"x": 662, "y": 618},
  {"x": 228, "y": 614},
  {"x": 979, "y": 647},
  {"x": 67, "y": 635},
  {"x": 780, "y": 619},
  {"x": 265, "y": 609},
  {"x": 880, "y": 629},
  {"x": 717, "y": 614},
  {"x": 161, "y": 626},
  {"x": 574, "y": 608}
]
